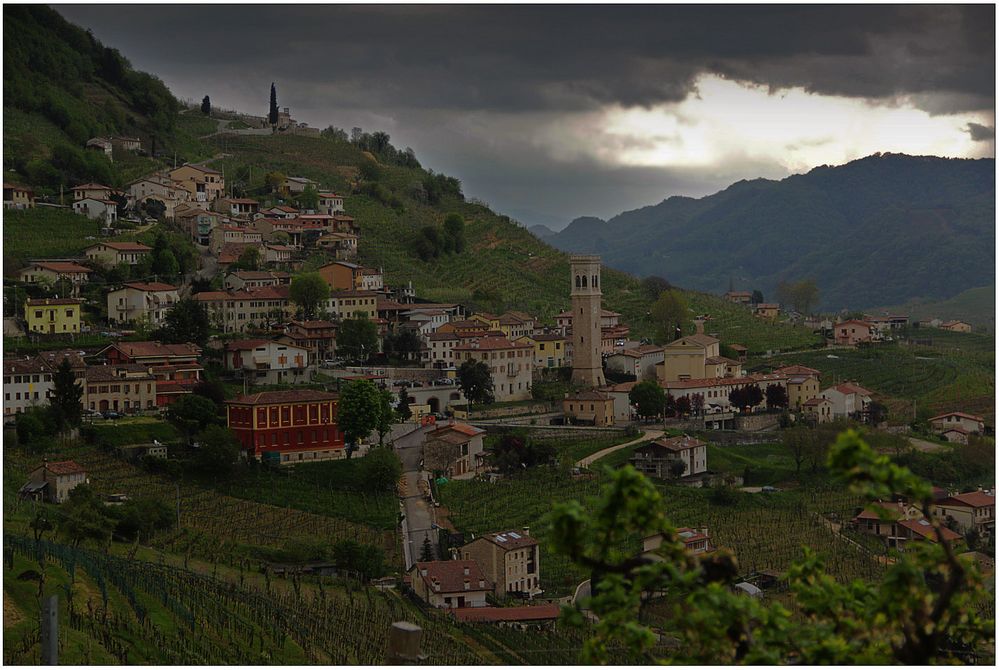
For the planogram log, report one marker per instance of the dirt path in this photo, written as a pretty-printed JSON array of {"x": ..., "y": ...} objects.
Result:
[
  {"x": 592, "y": 458},
  {"x": 925, "y": 445}
]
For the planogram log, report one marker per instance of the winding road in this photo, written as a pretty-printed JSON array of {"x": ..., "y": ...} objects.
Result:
[{"x": 592, "y": 458}]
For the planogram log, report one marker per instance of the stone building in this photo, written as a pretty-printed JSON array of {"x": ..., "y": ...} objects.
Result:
[{"x": 587, "y": 362}]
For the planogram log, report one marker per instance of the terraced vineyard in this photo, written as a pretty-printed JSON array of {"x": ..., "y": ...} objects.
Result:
[
  {"x": 211, "y": 524},
  {"x": 952, "y": 371},
  {"x": 132, "y": 612},
  {"x": 763, "y": 531}
]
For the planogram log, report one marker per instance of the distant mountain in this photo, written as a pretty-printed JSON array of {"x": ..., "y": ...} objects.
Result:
[
  {"x": 881, "y": 230},
  {"x": 541, "y": 232}
]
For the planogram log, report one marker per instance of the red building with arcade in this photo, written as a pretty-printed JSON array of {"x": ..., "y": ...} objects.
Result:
[{"x": 287, "y": 427}]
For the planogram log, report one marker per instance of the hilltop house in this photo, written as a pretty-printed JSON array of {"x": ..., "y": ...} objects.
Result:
[
  {"x": 905, "y": 524},
  {"x": 739, "y": 297},
  {"x": 92, "y": 191},
  {"x": 160, "y": 189},
  {"x": 510, "y": 559},
  {"x": 767, "y": 310}
]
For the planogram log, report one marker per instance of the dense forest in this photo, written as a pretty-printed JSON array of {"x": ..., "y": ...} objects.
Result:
[
  {"x": 881, "y": 230},
  {"x": 62, "y": 87}
]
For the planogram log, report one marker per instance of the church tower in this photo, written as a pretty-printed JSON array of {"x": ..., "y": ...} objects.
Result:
[{"x": 587, "y": 363}]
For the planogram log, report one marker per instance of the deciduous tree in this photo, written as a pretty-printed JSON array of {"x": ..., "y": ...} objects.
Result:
[
  {"x": 357, "y": 339},
  {"x": 648, "y": 398},
  {"x": 186, "y": 321},
  {"x": 476, "y": 382},
  {"x": 669, "y": 313},
  {"x": 921, "y": 611},
  {"x": 309, "y": 291},
  {"x": 360, "y": 410}
]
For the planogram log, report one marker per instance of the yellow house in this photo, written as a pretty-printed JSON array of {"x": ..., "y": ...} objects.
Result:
[
  {"x": 53, "y": 315},
  {"x": 549, "y": 349},
  {"x": 202, "y": 183},
  {"x": 687, "y": 358}
]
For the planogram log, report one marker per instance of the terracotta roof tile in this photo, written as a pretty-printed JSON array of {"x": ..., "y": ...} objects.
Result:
[
  {"x": 451, "y": 577},
  {"x": 279, "y": 397}
]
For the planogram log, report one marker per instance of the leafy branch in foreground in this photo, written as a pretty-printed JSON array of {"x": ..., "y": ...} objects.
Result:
[{"x": 923, "y": 611}]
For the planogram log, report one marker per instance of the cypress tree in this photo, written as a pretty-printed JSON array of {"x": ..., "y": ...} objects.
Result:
[
  {"x": 66, "y": 395},
  {"x": 273, "y": 116}
]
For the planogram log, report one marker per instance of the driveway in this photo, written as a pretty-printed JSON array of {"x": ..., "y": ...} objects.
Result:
[
  {"x": 408, "y": 441},
  {"x": 646, "y": 436}
]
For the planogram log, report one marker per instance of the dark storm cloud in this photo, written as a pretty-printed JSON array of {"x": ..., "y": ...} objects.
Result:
[
  {"x": 421, "y": 72},
  {"x": 981, "y": 133},
  {"x": 558, "y": 57}
]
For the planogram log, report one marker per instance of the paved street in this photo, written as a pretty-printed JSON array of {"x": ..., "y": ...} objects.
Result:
[{"x": 419, "y": 513}]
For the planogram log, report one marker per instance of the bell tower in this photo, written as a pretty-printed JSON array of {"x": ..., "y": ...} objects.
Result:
[{"x": 587, "y": 363}]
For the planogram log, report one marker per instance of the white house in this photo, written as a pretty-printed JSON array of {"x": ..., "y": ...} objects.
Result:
[
  {"x": 141, "y": 301},
  {"x": 656, "y": 458},
  {"x": 330, "y": 203},
  {"x": 967, "y": 422},
  {"x": 105, "y": 211},
  {"x": 639, "y": 361},
  {"x": 268, "y": 362},
  {"x": 848, "y": 400}
]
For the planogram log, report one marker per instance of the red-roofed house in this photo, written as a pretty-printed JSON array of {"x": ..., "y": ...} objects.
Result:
[
  {"x": 317, "y": 337},
  {"x": 286, "y": 427},
  {"x": 852, "y": 332},
  {"x": 904, "y": 523},
  {"x": 511, "y": 364},
  {"x": 969, "y": 510},
  {"x": 16, "y": 196},
  {"x": 450, "y": 584},
  {"x": 92, "y": 191},
  {"x": 819, "y": 410},
  {"x": 511, "y": 559},
  {"x": 970, "y": 423},
  {"x": 55, "y": 272},
  {"x": 620, "y": 395},
  {"x": 54, "y": 481},
  {"x": 141, "y": 302},
  {"x": 695, "y": 540},
  {"x": 150, "y": 353},
  {"x": 956, "y": 326}
]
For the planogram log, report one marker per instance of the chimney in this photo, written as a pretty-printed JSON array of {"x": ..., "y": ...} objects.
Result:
[
  {"x": 526, "y": 530},
  {"x": 699, "y": 325}
]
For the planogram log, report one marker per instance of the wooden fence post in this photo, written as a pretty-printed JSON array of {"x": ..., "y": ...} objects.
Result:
[
  {"x": 50, "y": 631},
  {"x": 404, "y": 644}
]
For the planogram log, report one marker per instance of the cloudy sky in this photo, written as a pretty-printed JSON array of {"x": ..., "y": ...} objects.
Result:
[{"x": 553, "y": 112}]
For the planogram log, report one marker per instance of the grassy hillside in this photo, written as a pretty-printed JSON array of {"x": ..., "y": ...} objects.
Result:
[
  {"x": 976, "y": 306},
  {"x": 504, "y": 266}
]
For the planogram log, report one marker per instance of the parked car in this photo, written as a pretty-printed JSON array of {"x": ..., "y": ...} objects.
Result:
[
  {"x": 770, "y": 489},
  {"x": 111, "y": 415}
]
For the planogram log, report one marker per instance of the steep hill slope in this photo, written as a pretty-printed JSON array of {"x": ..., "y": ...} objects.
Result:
[
  {"x": 62, "y": 87},
  {"x": 880, "y": 230},
  {"x": 393, "y": 198}
]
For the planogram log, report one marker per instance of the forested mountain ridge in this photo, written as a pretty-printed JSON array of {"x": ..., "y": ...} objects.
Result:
[{"x": 885, "y": 229}]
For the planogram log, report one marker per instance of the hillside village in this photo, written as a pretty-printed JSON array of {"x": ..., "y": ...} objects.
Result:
[{"x": 224, "y": 392}]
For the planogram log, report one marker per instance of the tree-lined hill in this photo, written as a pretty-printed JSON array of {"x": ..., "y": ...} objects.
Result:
[{"x": 880, "y": 230}]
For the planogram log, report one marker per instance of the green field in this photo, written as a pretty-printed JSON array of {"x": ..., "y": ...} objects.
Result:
[{"x": 46, "y": 233}]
